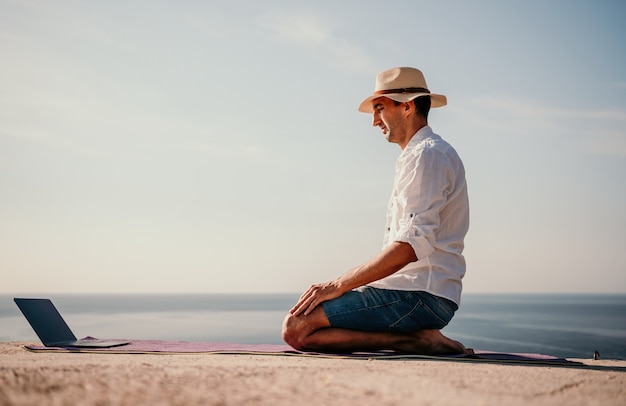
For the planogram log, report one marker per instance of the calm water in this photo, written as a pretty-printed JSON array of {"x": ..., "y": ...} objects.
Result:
[{"x": 561, "y": 325}]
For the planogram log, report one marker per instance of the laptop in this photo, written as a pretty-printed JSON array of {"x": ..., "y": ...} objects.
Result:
[{"x": 52, "y": 330}]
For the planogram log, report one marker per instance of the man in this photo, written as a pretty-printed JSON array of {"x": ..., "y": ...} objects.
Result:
[{"x": 400, "y": 299}]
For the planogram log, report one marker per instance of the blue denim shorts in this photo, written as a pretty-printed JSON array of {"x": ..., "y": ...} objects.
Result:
[{"x": 383, "y": 310}]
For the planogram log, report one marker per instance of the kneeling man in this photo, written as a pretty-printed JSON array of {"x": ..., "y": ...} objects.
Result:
[{"x": 400, "y": 299}]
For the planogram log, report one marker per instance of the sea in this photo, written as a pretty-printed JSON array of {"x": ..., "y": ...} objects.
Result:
[{"x": 564, "y": 325}]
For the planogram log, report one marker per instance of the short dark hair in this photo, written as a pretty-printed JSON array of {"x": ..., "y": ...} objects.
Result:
[{"x": 422, "y": 106}]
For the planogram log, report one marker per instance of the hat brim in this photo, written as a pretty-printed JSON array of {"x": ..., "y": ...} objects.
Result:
[{"x": 436, "y": 100}]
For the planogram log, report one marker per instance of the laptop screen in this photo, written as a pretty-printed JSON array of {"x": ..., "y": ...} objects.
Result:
[{"x": 45, "y": 320}]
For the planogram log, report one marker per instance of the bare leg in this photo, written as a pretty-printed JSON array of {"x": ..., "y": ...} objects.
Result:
[{"x": 313, "y": 333}]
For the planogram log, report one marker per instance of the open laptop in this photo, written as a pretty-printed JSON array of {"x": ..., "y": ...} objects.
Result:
[{"x": 52, "y": 330}]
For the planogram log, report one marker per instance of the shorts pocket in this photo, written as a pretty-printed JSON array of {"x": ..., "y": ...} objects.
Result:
[{"x": 421, "y": 317}]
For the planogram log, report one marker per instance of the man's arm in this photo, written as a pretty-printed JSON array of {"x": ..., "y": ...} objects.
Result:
[{"x": 389, "y": 261}]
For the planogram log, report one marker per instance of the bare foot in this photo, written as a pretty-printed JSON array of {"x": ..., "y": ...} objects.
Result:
[
  {"x": 432, "y": 342},
  {"x": 444, "y": 345}
]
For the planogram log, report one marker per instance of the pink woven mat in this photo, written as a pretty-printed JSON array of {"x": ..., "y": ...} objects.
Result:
[
  {"x": 188, "y": 347},
  {"x": 156, "y": 346}
]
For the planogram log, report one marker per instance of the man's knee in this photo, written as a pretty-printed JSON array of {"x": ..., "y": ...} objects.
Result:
[
  {"x": 292, "y": 331},
  {"x": 297, "y": 330}
]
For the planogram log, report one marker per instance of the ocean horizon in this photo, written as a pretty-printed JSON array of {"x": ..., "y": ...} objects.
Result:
[{"x": 564, "y": 325}]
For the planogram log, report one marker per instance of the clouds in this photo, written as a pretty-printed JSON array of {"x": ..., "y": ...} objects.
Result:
[
  {"x": 316, "y": 33},
  {"x": 609, "y": 142},
  {"x": 593, "y": 130},
  {"x": 303, "y": 28},
  {"x": 208, "y": 129}
]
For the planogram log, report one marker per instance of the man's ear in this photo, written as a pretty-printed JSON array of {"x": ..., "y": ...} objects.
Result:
[{"x": 408, "y": 107}]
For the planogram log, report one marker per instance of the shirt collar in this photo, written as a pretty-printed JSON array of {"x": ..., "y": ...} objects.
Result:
[
  {"x": 421, "y": 134},
  {"x": 418, "y": 138}
]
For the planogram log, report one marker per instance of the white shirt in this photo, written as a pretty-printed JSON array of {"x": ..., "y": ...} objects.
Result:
[{"x": 429, "y": 209}]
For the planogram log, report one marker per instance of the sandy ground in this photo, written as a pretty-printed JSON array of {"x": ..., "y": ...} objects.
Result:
[{"x": 28, "y": 378}]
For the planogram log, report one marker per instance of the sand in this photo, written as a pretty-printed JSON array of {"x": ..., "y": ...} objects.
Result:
[{"x": 28, "y": 378}]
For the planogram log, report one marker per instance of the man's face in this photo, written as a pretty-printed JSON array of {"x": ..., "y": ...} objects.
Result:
[{"x": 389, "y": 118}]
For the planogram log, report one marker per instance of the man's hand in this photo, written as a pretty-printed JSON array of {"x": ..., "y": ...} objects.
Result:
[
  {"x": 315, "y": 295},
  {"x": 391, "y": 259}
]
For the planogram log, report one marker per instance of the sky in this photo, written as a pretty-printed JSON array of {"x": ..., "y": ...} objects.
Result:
[{"x": 215, "y": 146}]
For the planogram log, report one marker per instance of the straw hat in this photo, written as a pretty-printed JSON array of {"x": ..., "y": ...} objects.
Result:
[{"x": 402, "y": 85}]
